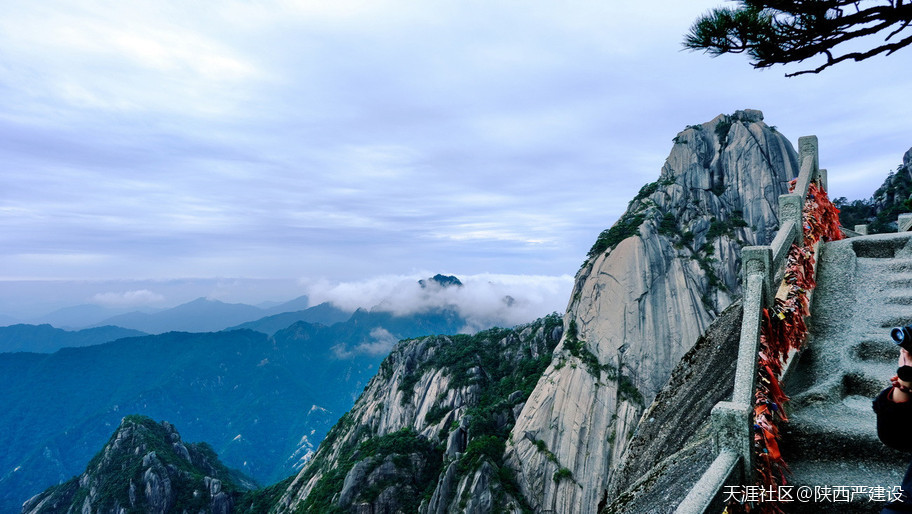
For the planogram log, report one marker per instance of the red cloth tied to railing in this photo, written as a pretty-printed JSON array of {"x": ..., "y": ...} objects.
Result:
[{"x": 782, "y": 329}]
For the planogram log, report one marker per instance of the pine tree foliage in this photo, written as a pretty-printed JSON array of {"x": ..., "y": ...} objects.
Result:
[{"x": 791, "y": 31}]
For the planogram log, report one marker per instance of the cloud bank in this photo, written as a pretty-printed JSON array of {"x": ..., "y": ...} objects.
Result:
[
  {"x": 137, "y": 298},
  {"x": 483, "y": 300},
  {"x": 348, "y": 139},
  {"x": 381, "y": 343}
]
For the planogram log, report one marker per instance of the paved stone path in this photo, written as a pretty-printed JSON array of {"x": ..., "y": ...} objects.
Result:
[{"x": 864, "y": 288}]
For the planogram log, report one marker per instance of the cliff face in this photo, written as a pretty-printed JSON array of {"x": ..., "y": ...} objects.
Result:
[
  {"x": 145, "y": 467},
  {"x": 429, "y": 430},
  {"x": 673, "y": 444},
  {"x": 651, "y": 285}
]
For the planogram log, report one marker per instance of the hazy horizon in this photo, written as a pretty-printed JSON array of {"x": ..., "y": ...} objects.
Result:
[{"x": 534, "y": 296}]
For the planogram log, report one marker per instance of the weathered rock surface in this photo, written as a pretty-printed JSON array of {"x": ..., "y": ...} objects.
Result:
[
  {"x": 430, "y": 428},
  {"x": 652, "y": 285},
  {"x": 145, "y": 467},
  {"x": 673, "y": 444}
]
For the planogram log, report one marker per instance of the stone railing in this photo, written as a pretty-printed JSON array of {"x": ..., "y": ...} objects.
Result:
[{"x": 763, "y": 268}]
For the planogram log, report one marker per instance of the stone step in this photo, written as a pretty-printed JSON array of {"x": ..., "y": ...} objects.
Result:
[
  {"x": 900, "y": 299},
  {"x": 899, "y": 281},
  {"x": 867, "y": 379},
  {"x": 876, "y": 322},
  {"x": 894, "y": 265},
  {"x": 869, "y": 248},
  {"x": 845, "y": 431},
  {"x": 875, "y": 349},
  {"x": 891, "y": 316}
]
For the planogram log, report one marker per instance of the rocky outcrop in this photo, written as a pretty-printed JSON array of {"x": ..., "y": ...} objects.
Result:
[
  {"x": 673, "y": 444},
  {"x": 879, "y": 212},
  {"x": 651, "y": 286},
  {"x": 897, "y": 188},
  {"x": 146, "y": 467},
  {"x": 429, "y": 430}
]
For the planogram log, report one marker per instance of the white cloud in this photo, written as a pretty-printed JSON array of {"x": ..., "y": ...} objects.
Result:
[
  {"x": 484, "y": 299},
  {"x": 136, "y": 298},
  {"x": 380, "y": 343}
]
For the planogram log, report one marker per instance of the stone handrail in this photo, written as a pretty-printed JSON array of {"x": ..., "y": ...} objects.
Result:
[{"x": 762, "y": 267}]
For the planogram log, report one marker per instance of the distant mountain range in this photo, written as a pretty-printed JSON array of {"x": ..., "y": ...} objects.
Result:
[
  {"x": 263, "y": 402},
  {"x": 77, "y": 316},
  {"x": 262, "y": 386},
  {"x": 325, "y": 314},
  {"x": 7, "y": 320},
  {"x": 47, "y": 339},
  {"x": 200, "y": 315},
  {"x": 195, "y": 316}
]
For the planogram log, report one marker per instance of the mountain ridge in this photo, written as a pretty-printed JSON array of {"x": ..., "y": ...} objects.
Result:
[
  {"x": 47, "y": 339},
  {"x": 279, "y": 393},
  {"x": 200, "y": 315},
  {"x": 450, "y": 398},
  {"x": 324, "y": 313},
  {"x": 145, "y": 466}
]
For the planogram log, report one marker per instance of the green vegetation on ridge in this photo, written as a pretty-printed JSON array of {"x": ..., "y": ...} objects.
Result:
[{"x": 501, "y": 367}]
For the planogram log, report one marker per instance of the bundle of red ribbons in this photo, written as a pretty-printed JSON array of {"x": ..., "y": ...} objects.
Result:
[{"x": 783, "y": 329}]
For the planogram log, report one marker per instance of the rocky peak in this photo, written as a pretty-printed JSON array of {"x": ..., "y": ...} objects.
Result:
[
  {"x": 652, "y": 283},
  {"x": 145, "y": 466},
  {"x": 429, "y": 430},
  {"x": 440, "y": 280}
]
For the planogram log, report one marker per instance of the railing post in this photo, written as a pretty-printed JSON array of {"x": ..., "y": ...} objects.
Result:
[
  {"x": 732, "y": 420},
  {"x": 904, "y": 222},
  {"x": 807, "y": 147},
  {"x": 757, "y": 260},
  {"x": 790, "y": 209},
  {"x": 731, "y": 425}
]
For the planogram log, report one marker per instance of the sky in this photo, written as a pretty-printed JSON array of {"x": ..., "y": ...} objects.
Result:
[{"x": 156, "y": 151}]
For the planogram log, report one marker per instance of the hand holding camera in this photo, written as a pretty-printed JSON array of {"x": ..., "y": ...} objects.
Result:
[{"x": 902, "y": 382}]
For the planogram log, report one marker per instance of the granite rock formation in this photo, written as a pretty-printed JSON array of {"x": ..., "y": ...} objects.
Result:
[
  {"x": 651, "y": 286},
  {"x": 430, "y": 428}
]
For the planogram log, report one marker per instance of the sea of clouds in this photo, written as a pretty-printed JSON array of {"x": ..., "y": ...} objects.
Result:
[{"x": 484, "y": 300}]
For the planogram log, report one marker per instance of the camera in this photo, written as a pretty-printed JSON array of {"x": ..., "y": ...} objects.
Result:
[{"x": 902, "y": 336}]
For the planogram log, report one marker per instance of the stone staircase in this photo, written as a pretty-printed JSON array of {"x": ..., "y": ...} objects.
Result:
[{"x": 864, "y": 288}]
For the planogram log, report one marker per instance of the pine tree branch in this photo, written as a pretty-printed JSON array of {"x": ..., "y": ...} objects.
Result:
[{"x": 789, "y": 31}]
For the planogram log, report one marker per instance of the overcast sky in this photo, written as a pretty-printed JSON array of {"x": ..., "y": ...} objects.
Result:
[{"x": 326, "y": 142}]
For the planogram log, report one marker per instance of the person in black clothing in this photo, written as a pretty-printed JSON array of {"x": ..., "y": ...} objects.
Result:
[{"x": 894, "y": 425}]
